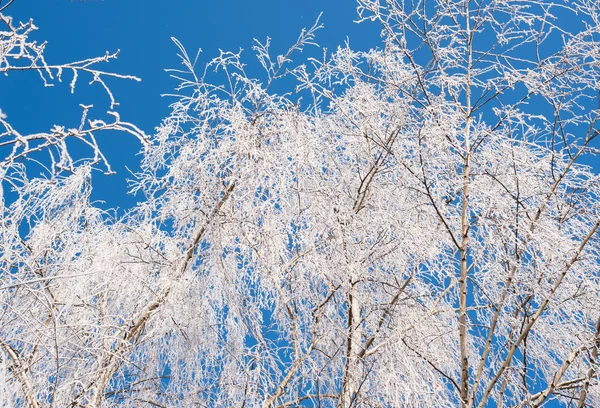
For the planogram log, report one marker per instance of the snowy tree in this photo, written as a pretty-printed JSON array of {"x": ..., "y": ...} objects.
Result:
[{"x": 410, "y": 226}]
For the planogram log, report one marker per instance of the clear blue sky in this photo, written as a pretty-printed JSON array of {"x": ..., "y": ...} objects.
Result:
[{"x": 142, "y": 30}]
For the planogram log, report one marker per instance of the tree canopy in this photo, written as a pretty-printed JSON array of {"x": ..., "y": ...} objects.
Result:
[{"x": 410, "y": 226}]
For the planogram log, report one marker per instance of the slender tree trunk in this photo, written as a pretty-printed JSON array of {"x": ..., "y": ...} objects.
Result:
[
  {"x": 463, "y": 334},
  {"x": 350, "y": 380}
]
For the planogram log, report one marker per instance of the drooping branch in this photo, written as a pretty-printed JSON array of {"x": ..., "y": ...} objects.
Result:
[
  {"x": 20, "y": 372},
  {"x": 535, "y": 317},
  {"x": 131, "y": 335},
  {"x": 593, "y": 367}
]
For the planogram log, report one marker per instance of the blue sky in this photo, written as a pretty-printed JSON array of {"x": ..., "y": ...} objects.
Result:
[{"x": 142, "y": 30}]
